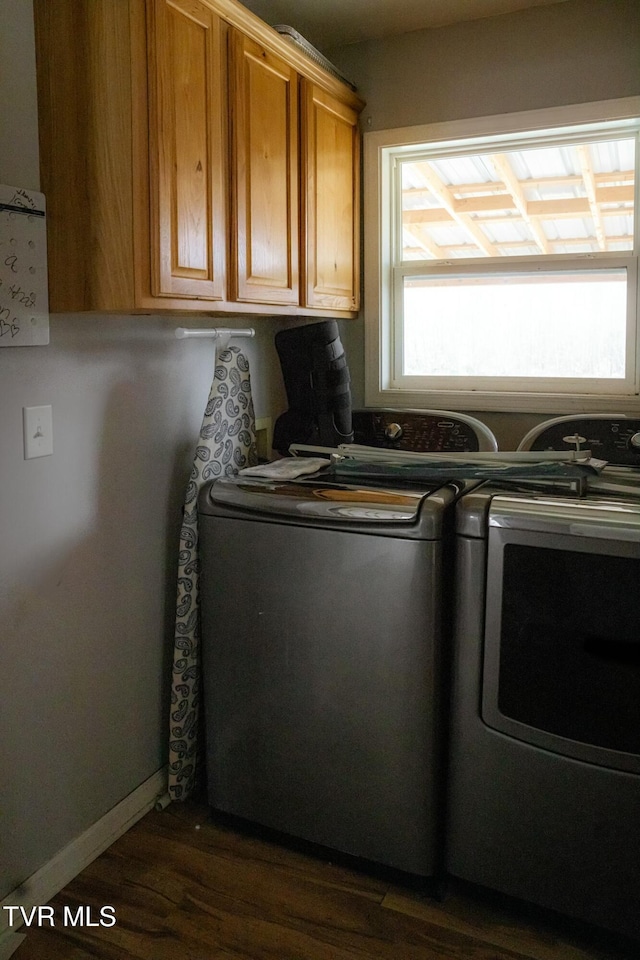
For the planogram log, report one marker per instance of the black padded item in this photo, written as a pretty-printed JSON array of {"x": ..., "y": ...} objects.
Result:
[{"x": 317, "y": 383}]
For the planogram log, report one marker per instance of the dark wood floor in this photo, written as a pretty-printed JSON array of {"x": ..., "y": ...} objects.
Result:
[{"x": 186, "y": 887}]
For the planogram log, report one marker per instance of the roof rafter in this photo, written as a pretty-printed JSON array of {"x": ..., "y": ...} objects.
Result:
[
  {"x": 619, "y": 177},
  {"x": 590, "y": 187},
  {"x": 504, "y": 170},
  {"x": 573, "y": 208},
  {"x": 419, "y": 233},
  {"x": 444, "y": 194},
  {"x": 461, "y": 249}
]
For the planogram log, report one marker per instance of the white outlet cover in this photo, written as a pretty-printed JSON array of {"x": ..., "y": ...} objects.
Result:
[{"x": 37, "y": 425}]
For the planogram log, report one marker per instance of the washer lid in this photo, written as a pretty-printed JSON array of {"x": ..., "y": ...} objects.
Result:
[
  {"x": 319, "y": 499},
  {"x": 416, "y": 511}
]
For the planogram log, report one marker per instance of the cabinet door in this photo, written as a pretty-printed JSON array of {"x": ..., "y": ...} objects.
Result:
[
  {"x": 186, "y": 145},
  {"x": 264, "y": 171},
  {"x": 331, "y": 165}
]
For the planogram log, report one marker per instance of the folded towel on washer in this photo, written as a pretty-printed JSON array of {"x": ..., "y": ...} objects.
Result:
[{"x": 286, "y": 469}]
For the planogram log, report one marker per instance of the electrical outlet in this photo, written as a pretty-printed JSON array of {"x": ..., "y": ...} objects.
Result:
[{"x": 37, "y": 427}]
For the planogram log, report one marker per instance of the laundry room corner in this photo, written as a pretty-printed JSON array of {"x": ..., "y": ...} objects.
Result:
[{"x": 90, "y": 535}]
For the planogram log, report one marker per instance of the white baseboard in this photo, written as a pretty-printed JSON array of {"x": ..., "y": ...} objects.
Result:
[{"x": 41, "y": 886}]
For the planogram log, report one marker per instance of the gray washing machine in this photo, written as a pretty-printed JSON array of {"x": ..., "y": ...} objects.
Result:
[
  {"x": 323, "y": 614},
  {"x": 544, "y": 772}
]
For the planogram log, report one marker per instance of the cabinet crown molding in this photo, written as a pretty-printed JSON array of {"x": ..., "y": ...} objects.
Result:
[{"x": 238, "y": 16}]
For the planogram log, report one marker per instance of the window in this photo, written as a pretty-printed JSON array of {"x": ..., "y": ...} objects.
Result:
[{"x": 501, "y": 262}]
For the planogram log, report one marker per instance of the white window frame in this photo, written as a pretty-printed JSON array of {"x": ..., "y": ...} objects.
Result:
[{"x": 381, "y": 337}]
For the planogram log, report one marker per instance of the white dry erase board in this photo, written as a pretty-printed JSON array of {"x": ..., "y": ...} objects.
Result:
[{"x": 24, "y": 300}]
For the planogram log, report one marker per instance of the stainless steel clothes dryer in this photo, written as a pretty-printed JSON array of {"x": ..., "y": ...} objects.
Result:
[
  {"x": 322, "y": 610},
  {"x": 544, "y": 771}
]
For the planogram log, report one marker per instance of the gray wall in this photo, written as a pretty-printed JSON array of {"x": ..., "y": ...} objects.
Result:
[
  {"x": 573, "y": 52},
  {"x": 88, "y": 536}
]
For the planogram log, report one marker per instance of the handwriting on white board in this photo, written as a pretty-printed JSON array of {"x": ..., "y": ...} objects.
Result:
[{"x": 24, "y": 302}]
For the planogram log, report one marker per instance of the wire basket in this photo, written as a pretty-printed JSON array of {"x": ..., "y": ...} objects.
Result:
[{"x": 296, "y": 38}]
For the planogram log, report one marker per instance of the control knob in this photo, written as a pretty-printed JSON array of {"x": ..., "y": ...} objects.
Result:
[
  {"x": 635, "y": 440},
  {"x": 576, "y": 440},
  {"x": 393, "y": 431}
]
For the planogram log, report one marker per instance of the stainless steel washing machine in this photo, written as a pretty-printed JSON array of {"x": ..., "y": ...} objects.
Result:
[
  {"x": 323, "y": 614},
  {"x": 421, "y": 431},
  {"x": 544, "y": 769}
]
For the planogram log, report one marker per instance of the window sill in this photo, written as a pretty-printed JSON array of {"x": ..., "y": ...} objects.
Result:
[{"x": 459, "y": 400}]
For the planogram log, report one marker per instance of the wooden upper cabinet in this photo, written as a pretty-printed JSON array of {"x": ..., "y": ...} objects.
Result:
[
  {"x": 331, "y": 167},
  {"x": 186, "y": 137},
  {"x": 83, "y": 57},
  {"x": 192, "y": 159},
  {"x": 263, "y": 109}
]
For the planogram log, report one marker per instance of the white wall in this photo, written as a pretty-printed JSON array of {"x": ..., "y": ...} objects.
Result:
[{"x": 88, "y": 536}]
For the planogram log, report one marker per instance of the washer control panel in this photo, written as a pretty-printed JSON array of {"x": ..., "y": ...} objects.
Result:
[
  {"x": 421, "y": 432},
  {"x": 615, "y": 439}
]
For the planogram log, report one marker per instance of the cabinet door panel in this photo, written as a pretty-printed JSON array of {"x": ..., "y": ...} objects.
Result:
[
  {"x": 264, "y": 230},
  {"x": 186, "y": 148},
  {"x": 331, "y": 213}
]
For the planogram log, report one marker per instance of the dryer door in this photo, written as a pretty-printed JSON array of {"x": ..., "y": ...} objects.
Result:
[{"x": 562, "y": 641}]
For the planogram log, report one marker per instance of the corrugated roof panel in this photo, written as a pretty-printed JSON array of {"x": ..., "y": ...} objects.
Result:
[
  {"x": 541, "y": 162},
  {"x": 620, "y": 227},
  {"x": 472, "y": 169},
  {"x": 413, "y": 253},
  {"x": 555, "y": 191},
  {"x": 558, "y": 180},
  {"x": 509, "y": 230},
  {"x": 575, "y": 248},
  {"x": 447, "y": 235},
  {"x": 410, "y": 177},
  {"x": 613, "y": 155},
  {"x": 467, "y": 251},
  {"x": 569, "y": 229},
  {"x": 526, "y": 251},
  {"x": 419, "y": 199}
]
